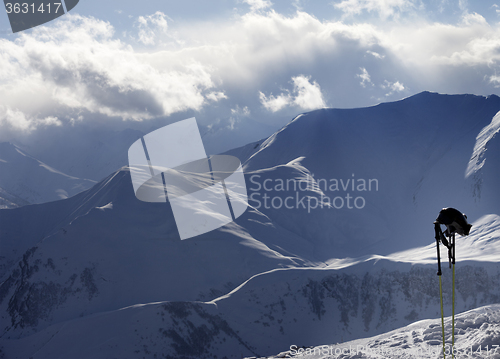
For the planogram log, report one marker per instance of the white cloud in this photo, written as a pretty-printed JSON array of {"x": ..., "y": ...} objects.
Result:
[
  {"x": 13, "y": 120},
  {"x": 397, "y": 86},
  {"x": 216, "y": 96},
  {"x": 256, "y": 5},
  {"x": 308, "y": 95},
  {"x": 474, "y": 19},
  {"x": 305, "y": 95},
  {"x": 297, "y": 4},
  {"x": 78, "y": 65},
  {"x": 463, "y": 4},
  {"x": 237, "y": 111},
  {"x": 151, "y": 26},
  {"x": 385, "y": 8},
  {"x": 392, "y": 87},
  {"x": 425, "y": 46},
  {"x": 237, "y": 114},
  {"x": 260, "y": 45},
  {"x": 273, "y": 103},
  {"x": 365, "y": 77},
  {"x": 495, "y": 80},
  {"x": 375, "y": 54}
]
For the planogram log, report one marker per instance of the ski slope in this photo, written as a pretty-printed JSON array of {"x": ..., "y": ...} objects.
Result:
[
  {"x": 101, "y": 274},
  {"x": 477, "y": 335},
  {"x": 289, "y": 306}
]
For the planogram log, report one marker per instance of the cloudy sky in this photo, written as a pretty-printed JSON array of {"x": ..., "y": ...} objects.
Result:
[{"x": 243, "y": 68}]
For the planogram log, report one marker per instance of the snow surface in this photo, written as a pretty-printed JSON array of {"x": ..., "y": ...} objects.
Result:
[
  {"x": 101, "y": 274},
  {"x": 483, "y": 138},
  {"x": 277, "y": 309},
  {"x": 477, "y": 335}
]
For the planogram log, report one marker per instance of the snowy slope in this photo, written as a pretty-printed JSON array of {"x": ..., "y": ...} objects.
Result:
[
  {"x": 477, "y": 335},
  {"x": 418, "y": 150},
  {"x": 26, "y": 180},
  {"x": 102, "y": 259},
  {"x": 363, "y": 297},
  {"x": 110, "y": 250},
  {"x": 284, "y": 307}
]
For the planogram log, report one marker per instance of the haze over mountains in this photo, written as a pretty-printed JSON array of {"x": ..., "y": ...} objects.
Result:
[
  {"x": 334, "y": 196},
  {"x": 26, "y": 180}
]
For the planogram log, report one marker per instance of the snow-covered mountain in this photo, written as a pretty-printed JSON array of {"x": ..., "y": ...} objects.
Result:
[
  {"x": 26, "y": 180},
  {"x": 118, "y": 251},
  {"x": 269, "y": 312},
  {"x": 477, "y": 335},
  {"x": 110, "y": 275},
  {"x": 416, "y": 153}
]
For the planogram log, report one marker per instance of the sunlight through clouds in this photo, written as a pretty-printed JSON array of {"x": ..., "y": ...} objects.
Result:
[
  {"x": 272, "y": 63},
  {"x": 80, "y": 66}
]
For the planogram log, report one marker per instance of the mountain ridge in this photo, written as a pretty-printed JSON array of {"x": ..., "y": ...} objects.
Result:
[{"x": 103, "y": 254}]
